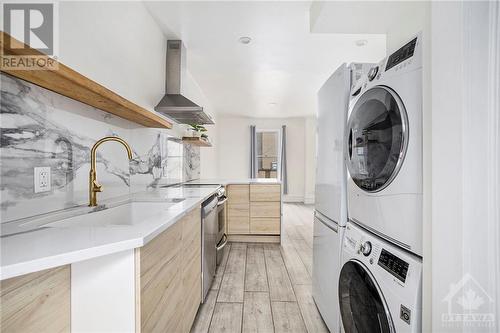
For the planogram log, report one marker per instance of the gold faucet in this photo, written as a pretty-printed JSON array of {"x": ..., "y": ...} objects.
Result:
[{"x": 94, "y": 186}]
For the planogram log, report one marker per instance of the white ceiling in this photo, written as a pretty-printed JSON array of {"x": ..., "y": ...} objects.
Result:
[{"x": 284, "y": 64}]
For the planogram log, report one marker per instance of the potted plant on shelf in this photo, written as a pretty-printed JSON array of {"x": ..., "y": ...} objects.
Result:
[{"x": 198, "y": 131}]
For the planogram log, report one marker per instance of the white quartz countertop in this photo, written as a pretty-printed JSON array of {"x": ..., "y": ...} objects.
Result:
[
  {"x": 42, "y": 248},
  {"x": 235, "y": 181}
]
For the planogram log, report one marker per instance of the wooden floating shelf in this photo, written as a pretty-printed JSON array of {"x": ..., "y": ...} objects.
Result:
[
  {"x": 196, "y": 141},
  {"x": 72, "y": 84}
]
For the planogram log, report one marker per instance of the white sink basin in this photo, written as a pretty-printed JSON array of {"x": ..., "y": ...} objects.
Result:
[{"x": 127, "y": 214}]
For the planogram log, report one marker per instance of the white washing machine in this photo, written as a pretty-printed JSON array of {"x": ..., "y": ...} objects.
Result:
[
  {"x": 384, "y": 149},
  {"x": 380, "y": 285}
]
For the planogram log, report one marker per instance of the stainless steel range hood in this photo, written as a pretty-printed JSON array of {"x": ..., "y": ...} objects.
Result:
[{"x": 173, "y": 104}]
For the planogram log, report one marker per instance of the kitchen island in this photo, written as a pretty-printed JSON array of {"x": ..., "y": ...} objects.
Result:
[
  {"x": 120, "y": 262},
  {"x": 254, "y": 208},
  {"x": 131, "y": 264}
]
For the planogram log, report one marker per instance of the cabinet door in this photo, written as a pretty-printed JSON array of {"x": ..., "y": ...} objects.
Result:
[
  {"x": 265, "y": 226},
  {"x": 265, "y": 209},
  {"x": 238, "y": 218},
  {"x": 191, "y": 267},
  {"x": 161, "y": 282},
  {"x": 238, "y": 225},
  {"x": 37, "y": 302},
  {"x": 238, "y": 194},
  {"x": 266, "y": 192},
  {"x": 238, "y": 209}
]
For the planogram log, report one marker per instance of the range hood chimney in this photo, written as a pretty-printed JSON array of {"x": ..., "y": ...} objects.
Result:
[{"x": 173, "y": 104}]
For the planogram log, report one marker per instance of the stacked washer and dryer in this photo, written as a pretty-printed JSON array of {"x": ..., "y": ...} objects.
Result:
[{"x": 369, "y": 277}]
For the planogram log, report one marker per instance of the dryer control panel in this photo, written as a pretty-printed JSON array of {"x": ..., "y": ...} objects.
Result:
[
  {"x": 393, "y": 264},
  {"x": 401, "y": 55}
]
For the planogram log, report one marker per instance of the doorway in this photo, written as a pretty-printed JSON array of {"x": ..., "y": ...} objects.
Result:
[{"x": 268, "y": 153}]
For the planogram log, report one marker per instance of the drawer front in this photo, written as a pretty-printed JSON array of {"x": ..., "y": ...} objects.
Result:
[
  {"x": 37, "y": 302},
  {"x": 238, "y": 225},
  {"x": 191, "y": 251},
  {"x": 162, "y": 249},
  {"x": 160, "y": 298},
  {"x": 191, "y": 283},
  {"x": 191, "y": 304},
  {"x": 191, "y": 236},
  {"x": 238, "y": 194},
  {"x": 265, "y": 209},
  {"x": 238, "y": 210},
  {"x": 267, "y": 226},
  {"x": 191, "y": 270},
  {"x": 265, "y": 192},
  {"x": 191, "y": 225}
]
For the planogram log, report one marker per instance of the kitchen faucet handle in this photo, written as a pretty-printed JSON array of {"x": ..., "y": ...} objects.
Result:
[{"x": 96, "y": 187}]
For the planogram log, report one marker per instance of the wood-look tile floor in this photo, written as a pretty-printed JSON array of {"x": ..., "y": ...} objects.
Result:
[{"x": 266, "y": 287}]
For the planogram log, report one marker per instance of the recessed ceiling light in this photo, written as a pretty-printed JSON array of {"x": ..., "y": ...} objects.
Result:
[
  {"x": 361, "y": 42},
  {"x": 273, "y": 103},
  {"x": 244, "y": 40}
]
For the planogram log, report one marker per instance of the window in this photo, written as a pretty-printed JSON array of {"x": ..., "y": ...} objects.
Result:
[{"x": 268, "y": 152}]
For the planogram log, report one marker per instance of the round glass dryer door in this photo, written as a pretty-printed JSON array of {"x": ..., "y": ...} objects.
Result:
[
  {"x": 362, "y": 308},
  {"x": 377, "y": 138}
]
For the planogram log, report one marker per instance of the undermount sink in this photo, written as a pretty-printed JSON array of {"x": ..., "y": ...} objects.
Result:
[
  {"x": 175, "y": 200},
  {"x": 127, "y": 214}
]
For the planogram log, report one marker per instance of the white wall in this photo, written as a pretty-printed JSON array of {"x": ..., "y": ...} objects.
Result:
[
  {"x": 406, "y": 24},
  {"x": 119, "y": 45},
  {"x": 233, "y": 149},
  {"x": 465, "y": 160}
]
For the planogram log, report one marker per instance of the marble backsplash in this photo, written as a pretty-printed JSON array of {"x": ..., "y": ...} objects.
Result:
[{"x": 40, "y": 128}]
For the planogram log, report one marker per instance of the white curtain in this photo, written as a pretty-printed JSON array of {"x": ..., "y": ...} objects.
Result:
[
  {"x": 284, "y": 178},
  {"x": 253, "y": 152}
]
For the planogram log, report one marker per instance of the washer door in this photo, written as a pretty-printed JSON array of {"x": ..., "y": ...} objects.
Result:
[
  {"x": 377, "y": 133},
  {"x": 362, "y": 307}
]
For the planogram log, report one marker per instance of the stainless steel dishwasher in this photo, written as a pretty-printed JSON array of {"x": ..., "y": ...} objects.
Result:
[{"x": 209, "y": 228}]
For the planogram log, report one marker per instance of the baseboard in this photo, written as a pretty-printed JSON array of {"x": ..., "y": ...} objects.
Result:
[
  {"x": 254, "y": 238},
  {"x": 293, "y": 198},
  {"x": 309, "y": 199}
]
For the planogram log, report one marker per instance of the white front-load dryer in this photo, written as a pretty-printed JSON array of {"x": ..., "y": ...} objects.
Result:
[
  {"x": 384, "y": 149},
  {"x": 380, "y": 285}
]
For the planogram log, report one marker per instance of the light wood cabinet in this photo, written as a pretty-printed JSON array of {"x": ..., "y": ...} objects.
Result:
[
  {"x": 271, "y": 192},
  {"x": 238, "y": 225},
  {"x": 37, "y": 302},
  {"x": 266, "y": 226},
  {"x": 191, "y": 268},
  {"x": 169, "y": 272},
  {"x": 254, "y": 209},
  {"x": 265, "y": 209},
  {"x": 238, "y": 194},
  {"x": 238, "y": 209}
]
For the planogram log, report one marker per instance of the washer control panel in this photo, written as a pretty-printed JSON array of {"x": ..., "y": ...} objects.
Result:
[
  {"x": 393, "y": 264},
  {"x": 401, "y": 55}
]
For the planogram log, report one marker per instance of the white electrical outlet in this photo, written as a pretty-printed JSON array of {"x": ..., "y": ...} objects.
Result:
[{"x": 42, "y": 179}]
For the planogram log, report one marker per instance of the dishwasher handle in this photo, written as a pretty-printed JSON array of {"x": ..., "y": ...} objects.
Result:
[
  {"x": 208, "y": 206},
  {"x": 221, "y": 202},
  {"x": 223, "y": 243}
]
